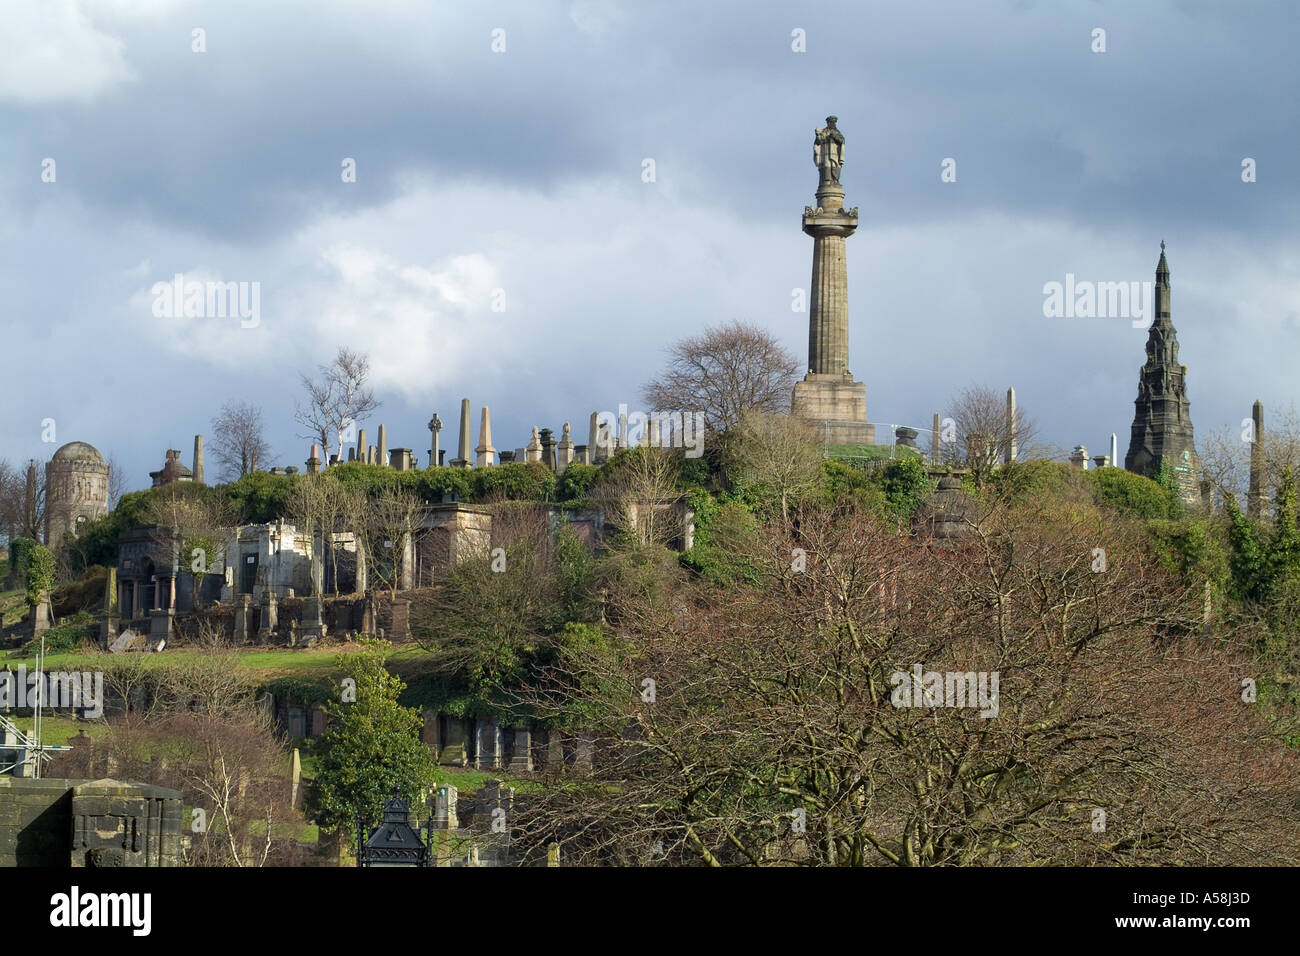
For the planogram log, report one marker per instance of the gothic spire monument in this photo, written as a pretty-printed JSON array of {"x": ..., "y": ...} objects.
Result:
[
  {"x": 828, "y": 397},
  {"x": 1162, "y": 421}
]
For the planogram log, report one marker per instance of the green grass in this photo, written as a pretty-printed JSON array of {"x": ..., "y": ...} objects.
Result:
[
  {"x": 274, "y": 661},
  {"x": 468, "y": 780},
  {"x": 60, "y": 730}
]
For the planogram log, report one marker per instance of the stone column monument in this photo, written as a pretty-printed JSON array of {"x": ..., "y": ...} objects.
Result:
[{"x": 828, "y": 396}]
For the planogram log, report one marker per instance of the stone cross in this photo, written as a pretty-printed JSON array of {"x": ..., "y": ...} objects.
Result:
[{"x": 435, "y": 426}]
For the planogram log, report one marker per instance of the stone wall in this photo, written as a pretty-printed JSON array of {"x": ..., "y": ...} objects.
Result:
[{"x": 58, "y": 822}]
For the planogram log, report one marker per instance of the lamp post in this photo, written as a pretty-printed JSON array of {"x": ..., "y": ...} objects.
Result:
[{"x": 394, "y": 842}]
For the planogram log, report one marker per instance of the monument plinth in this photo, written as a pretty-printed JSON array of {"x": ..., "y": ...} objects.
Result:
[{"x": 828, "y": 396}]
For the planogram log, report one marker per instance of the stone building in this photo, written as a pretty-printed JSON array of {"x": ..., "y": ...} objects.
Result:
[
  {"x": 76, "y": 490},
  {"x": 57, "y": 823},
  {"x": 1162, "y": 420}
]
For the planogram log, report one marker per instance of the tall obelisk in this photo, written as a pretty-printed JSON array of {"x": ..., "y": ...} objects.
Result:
[{"x": 828, "y": 397}]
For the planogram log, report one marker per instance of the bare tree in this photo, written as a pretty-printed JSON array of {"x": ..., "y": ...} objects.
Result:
[
  {"x": 1224, "y": 456},
  {"x": 237, "y": 439},
  {"x": 786, "y": 725},
  {"x": 637, "y": 490},
  {"x": 984, "y": 434},
  {"x": 116, "y": 481},
  {"x": 22, "y": 500},
  {"x": 390, "y": 521},
  {"x": 493, "y": 611},
  {"x": 198, "y": 524},
  {"x": 337, "y": 399},
  {"x": 779, "y": 453},
  {"x": 325, "y": 508},
  {"x": 724, "y": 372}
]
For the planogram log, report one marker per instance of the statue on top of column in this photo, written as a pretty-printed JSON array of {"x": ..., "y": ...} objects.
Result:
[{"x": 828, "y": 151}]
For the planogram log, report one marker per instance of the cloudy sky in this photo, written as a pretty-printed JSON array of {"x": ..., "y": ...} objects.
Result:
[{"x": 522, "y": 171}]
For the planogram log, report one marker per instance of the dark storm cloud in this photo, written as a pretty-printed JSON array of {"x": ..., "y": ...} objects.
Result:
[{"x": 1067, "y": 160}]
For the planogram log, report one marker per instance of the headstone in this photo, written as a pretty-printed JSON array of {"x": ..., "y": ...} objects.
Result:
[
  {"x": 521, "y": 753},
  {"x": 554, "y": 751},
  {"x": 243, "y": 618},
  {"x": 160, "y": 628},
  {"x": 582, "y": 753},
  {"x": 453, "y": 742},
  {"x": 110, "y": 593},
  {"x": 126, "y": 641},
  {"x": 295, "y": 778},
  {"x": 533, "y": 452},
  {"x": 564, "y": 450},
  {"x": 382, "y": 454},
  {"x": 1079, "y": 457},
  {"x": 313, "y": 621},
  {"x": 40, "y": 616},
  {"x": 488, "y": 756},
  {"x": 444, "y": 809},
  {"x": 553, "y": 854},
  {"x": 270, "y": 616}
]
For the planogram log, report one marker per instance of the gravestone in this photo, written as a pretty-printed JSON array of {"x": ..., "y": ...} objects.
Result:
[
  {"x": 489, "y": 745},
  {"x": 444, "y": 809},
  {"x": 243, "y": 618},
  {"x": 453, "y": 742},
  {"x": 521, "y": 752},
  {"x": 269, "y": 619}
]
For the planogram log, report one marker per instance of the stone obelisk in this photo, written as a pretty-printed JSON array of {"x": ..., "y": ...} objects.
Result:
[
  {"x": 198, "y": 460},
  {"x": 485, "y": 452},
  {"x": 828, "y": 397},
  {"x": 462, "y": 445},
  {"x": 1256, "y": 497}
]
